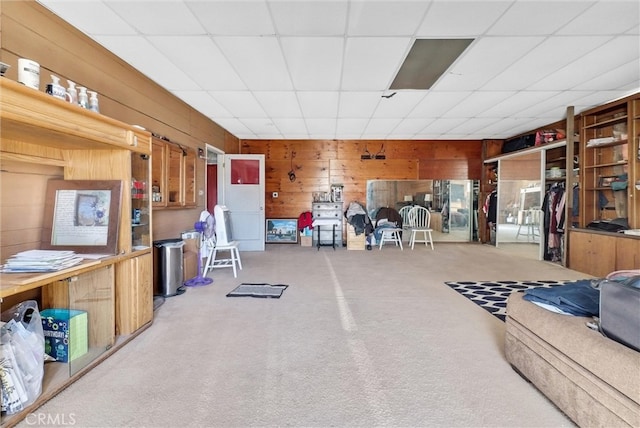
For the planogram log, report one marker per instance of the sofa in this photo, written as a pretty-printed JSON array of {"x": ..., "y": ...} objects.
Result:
[{"x": 594, "y": 380}]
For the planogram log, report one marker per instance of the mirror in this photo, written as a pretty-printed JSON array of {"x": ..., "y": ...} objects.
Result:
[
  {"x": 453, "y": 204},
  {"x": 519, "y": 217}
]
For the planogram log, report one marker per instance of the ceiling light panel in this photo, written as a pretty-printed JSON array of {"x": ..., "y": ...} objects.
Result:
[
  {"x": 315, "y": 63},
  {"x": 82, "y": 16},
  {"x": 158, "y": 17},
  {"x": 138, "y": 52},
  {"x": 196, "y": 56},
  {"x": 427, "y": 60},
  {"x": 537, "y": 17},
  {"x": 460, "y": 18},
  {"x": 239, "y": 103},
  {"x": 398, "y": 18},
  {"x": 309, "y": 18},
  {"x": 371, "y": 62},
  {"x": 258, "y": 61},
  {"x": 233, "y": 18}
]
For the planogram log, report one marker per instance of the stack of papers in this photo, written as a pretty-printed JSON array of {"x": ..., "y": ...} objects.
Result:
[{"x": 40, "y": 261}]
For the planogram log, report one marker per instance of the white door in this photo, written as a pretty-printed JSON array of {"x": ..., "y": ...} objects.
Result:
[{"x": 242, "y": 178}]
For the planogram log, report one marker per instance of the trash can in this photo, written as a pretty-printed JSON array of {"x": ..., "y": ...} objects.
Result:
[{"x": 167, "y": 267}]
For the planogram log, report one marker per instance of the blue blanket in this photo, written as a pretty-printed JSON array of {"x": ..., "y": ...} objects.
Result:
[{"x": 576, "y": 298}]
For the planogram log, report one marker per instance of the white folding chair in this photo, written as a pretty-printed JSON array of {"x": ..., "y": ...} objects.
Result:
[{"x": 420, "y": 222}]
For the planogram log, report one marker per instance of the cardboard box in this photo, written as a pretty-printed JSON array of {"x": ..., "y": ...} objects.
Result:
[
  {"x": 306, "y": 241},
  {"x": 66, "y": 335},
  {"x": 355, "y": 242}
]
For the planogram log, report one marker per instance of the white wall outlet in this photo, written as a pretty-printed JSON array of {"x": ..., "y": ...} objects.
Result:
[{"x": 274, "y": 194}]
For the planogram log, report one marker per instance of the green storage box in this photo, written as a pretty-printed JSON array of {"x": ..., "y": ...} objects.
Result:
[{"x": 65, "y": 333}]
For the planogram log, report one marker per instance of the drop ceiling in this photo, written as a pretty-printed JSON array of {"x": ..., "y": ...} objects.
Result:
[{"x": 274, "y": 69}]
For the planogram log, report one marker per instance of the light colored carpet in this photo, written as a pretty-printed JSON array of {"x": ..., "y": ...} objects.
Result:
[{"x": 360, "y": 338}]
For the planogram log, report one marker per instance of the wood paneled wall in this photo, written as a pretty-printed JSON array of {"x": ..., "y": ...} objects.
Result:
[
  {"x": 320, "y": 163},
  {"x": 29, "y": 30}
]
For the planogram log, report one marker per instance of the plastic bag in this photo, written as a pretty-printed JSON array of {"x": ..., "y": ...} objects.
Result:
[{"x": 21, "y": 356}]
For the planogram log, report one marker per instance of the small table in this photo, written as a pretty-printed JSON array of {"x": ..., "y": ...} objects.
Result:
[{"x": 318, "y": 223}]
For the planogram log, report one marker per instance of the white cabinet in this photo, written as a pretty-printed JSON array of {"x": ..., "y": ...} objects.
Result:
[{"x": 331, "y": 214}]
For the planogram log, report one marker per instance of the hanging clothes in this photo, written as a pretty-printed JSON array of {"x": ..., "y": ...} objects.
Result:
[{"x": 554, "y": 222}]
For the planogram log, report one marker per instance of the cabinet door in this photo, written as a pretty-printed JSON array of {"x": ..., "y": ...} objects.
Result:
[
  {"x": 175, "y": 175},
  {"x": 158, "y": 174},
  {"x": 592, "y": 253},
  {"x": 190, "y": 193},
  {"x": 93, "y": 293},
  {"x": 134, "y": 294}
]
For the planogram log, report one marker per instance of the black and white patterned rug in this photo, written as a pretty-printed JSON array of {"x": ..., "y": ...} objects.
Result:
[{"x": 492, "y": 295}]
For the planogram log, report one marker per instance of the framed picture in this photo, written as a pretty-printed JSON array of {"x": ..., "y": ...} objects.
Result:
[
  {"x": 281, "y": 231},
  {"x": 82, "y": 216},
  {"x": 606, "y": 181}
]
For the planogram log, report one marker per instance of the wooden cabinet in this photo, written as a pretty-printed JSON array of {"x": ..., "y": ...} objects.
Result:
[
  {"x": 600, "y": 253},
  {"x": 41, "y": 138},
  {"x": 134, "y": 294},
  {"x": 173, "y": 175}
]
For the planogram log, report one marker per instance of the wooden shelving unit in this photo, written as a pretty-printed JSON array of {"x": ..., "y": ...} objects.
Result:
[{"x": 43, "y": 136}]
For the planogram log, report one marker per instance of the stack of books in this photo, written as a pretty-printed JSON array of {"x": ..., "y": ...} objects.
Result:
[{"x": 40, "y": 261}]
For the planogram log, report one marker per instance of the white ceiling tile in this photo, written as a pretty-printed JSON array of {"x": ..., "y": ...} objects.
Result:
[
  {"x": 626, "y": 74},
  {"x": 485, "y": 58},
  {"x": 398, "y": 18},
  {"x": 460, "y": 18},
  {"x": 399, "y": 105},
  {"x": 233, "y": 18},
  {"x": 314, "y": 62},
  {"x": 261, "y": 126},
  {"x": 411, "y": 126},
  {"x": 358, "y": 104},
  {"x": 279, "y": 104},
  {"x": 257, "y": 60},
  {"x": 82, "y": 16},
  {"x": 240, "y": 104},
  {"x": 319, "y": 104},
  {"x": 289, "y": 126},
  {"x": 145, "y": 57},
  {"x": 309, "y": 17},
  {"x": 320, "y": 126},
  {"x": 473, "y": 125},
  {"x": 537, "y": 17},
  {"x": 605, "y": 17},
  {"x": 203, "y": 102},
  {"x": 158, "y": 17},
  {"x": 235, "y": 126},
  {"x": 594, "y": 63},
  {"x": 516, "y": 103},
  {"x": 381, "y": 126},
  {"x": 196, "y": 56},
  {"x": 443, "y": 125},
  {"x": 436, "y": 103},
  {"x": 351, "y": 126},
  {"x": 371, "y": 63},
  {"x": 477, "y": 102},
  {"x": 544, "y": 60}
]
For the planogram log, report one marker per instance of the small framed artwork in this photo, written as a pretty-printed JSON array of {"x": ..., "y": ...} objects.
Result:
[
  {"x": 606, "y": 181},
  {"x": 281, "y": 231}
]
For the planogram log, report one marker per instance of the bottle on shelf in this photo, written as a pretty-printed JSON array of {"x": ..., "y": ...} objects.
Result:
[
  {"x": 73, "y": 92},
  {"x": 93, "y": 101},
  {"x": 83, "y": 97}
]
